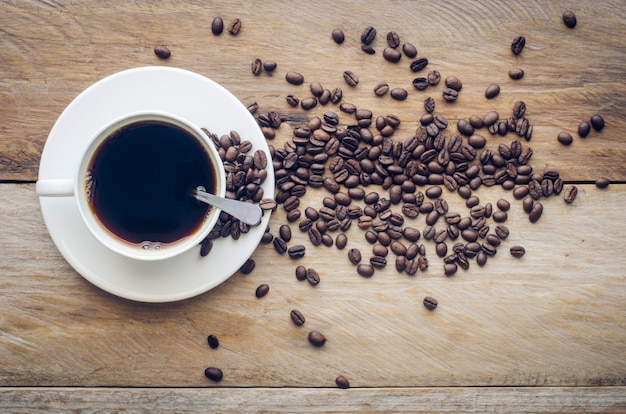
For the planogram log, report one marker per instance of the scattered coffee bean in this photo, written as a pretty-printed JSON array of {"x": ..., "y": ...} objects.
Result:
[
  {"x": 214, "y": 374},
  {"x": 492, "y": 91},
  {"x": 602, "y": 182},
  {"x": 296, "y": 252},
  {"x": 297, "y": 317},
  {"x": 368, "y": 49},
  {"x": 280, "y": 246},
  {"x": 213, "y": 341},
  {"x": 294, "y": 78},
  {"x": 517, "y": 251},
  {"x": 354, "y": 255},
  {"x": 583, "y": 129},
  {"x": 535, "y": 212},
  {"x": 342, "y": 382},
  {"x": 351, "y": 78},
  {"x": 418, "y": 64},
  {"x": 570, "y": 193},
  {"x": 399, "y": 94},
  {"x": 338, "y": 36},
  {"x": 516, "y": 73},
  {"x": 449, "y": 95},
  {"x": 270, "y": 66},
  {"x": 453, "y": 82},
  {"x": 434, "y": 77},
  {"x": 262, "y": 290},
  {"x": 518, "y": 45},
  {"x": 449, "y": 269},
  {"x": 257, "y": 67},
  {"x": 247, "y": 267},
  {"x": 430, "y": 303},
  {"x": 206, "y": 246},
  {"x": 565, "y": 138},
  {"x": 392, "y": 55},
  {"x": 316, "y": 338},
  {"x": 503, "y": 204},
  {"x": 597, "y": 122},
  {"x": 162, "y": 51},
  {"x": 569, "y": 19},
  {"x": 381, "y": 89},
  {"x": 234, "y": 26},
  {"x": 300, "y": 273},
  {"x": 409, "y": 50},
  {"x": 312, "y": 276},
  {"x": 365, "y": 270},
  {"x": 341, "y": 241},
  {"x": 217, "y": 25},
  {"x": 368, "y": 35}
]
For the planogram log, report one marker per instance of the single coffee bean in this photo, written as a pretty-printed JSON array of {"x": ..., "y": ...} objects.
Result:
[
  {"x": 234, "y": 26},
  {"x": 341, "y": 241},
  {"x": 338, "y": 36},
  {"x": 351, "y": 78},
  {"x": 518, "y": 45},
  {"x": 257, "y": 67},
  {"x": 418, "y": 64},
  {"x": 213, "y": 341},
  {"x": 535, "y": 213},
  {"x": 368, "y": 35},
  {"x": 206, "y": 246},
  {"x": 597, "y": 122},
  {"x": 464, "y": 127},
  {"x": 430, "y": 303},
  {"x": 354, "y": 255},
  {"x": 602, "y": 182},
  {"x": 392, "y": 55},
  {"x": 368, "y": 49},
  {"x": 294, "y": 78},
  {"x": 316, "y": 339},
  {"x": 569, "y": 19},
  {"x": 516, "y": 73},
  {"x": 247, "y": 267},
  {"x": 300, "y": 273},
  {"x": 378, "y": 262},
  {"x": 409, "y": 50},
  {"x": 381, "y": 89},
  {"x": 503, "y": 204},
  {"x": 453, "y": 82},
  {"x": 399, "y": 94},
  {"x": 380, "y": 250},
  {"x": 342, "y": 382},
  {"x": 297, "y": 251},
  {"x": 262, "y": 290},
  {"x": 477, "y": 141},
  {"x": 312, "y": 276},
  {"x": 500, "y": 216},
  {"x": 420, "y": 83},
  {"x": 270, "y": 66},
  {"x": 297, "y": 317},
  {"x": 517, "y": 251},
  {"x": 502, "y": 231},
  {"x": 162, "y": 51},
  {"x": 571, "y": 191},
  {"x": 285, "y": 232},
  {"x": 434, "y": 77},
  {"x": 280, "y": 246},
  {"x": 393, "y": 39},
  {"x": 492, "y": 91},
  {"x": 429, "y": 104},
  {"x": 214, "y": 374},
  {"x": 528, "y": 203},
  {"x": 449, "y": 95},
  {"x": 565, "y": 138},
  {"x": 449, "y": 269},
  {"x": 308, "y": 103},
  {"x": 583, "y": 129},
  {"x": 365, "y": 270},
  {"x": 217, "y": 25}
]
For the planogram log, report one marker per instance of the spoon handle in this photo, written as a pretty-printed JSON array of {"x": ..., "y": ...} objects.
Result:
[{"x": 246, "y": 212}]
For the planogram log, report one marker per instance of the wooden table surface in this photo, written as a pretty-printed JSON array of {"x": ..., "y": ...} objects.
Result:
[{"x": 543, "y": 333}]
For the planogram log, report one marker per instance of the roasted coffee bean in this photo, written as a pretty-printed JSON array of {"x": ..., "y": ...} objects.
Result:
[
  {"x": 312, "y": 276},
  {"x": 308, "y": 103},
  {"x": 492, "y": 91},
  {"x": 449, "y": 95},
  {"x": 206, "y": 246},
  {"x": 583, "y": 129},
  {"x": 441, "y": 249},
  {"x": 378, "y": 262},
  {"x": 399, "y": 94},
  {"x": 354, "y": 255},
  {"x": 429, "y": 104},
  {"x": 409, "y": 50},
  {"x": 518, "y": 45},
  {"x": 213, "y": 341},
  {"x": 351, "y": 78},
  {"x": 517, "y": 251},
  {"x": 535, "y": 213},
  {"x": 285, "y": 232},
  {"x": 300, "y": 273},
  {"x": 247, "y": 267},
  {"x": 534, "y": 189},
  {"x": 569, "y": 19},
  {"x": 434, "y": 77},
  {"x": 270, "y": 66},
  {"x": 418, "y": 64},
  {"x": 411, "y": 234},
  {"x": 500, "y": 216},
  {"x": 453, "y": 82},
  {"x": 519, "y": 109},
  {"x": 597, "y": 122},
  {"x": 262, "y": 290},
  {"x": 217, "y": 25},
  {"x": 565, "y": 138},
  {"x": 280, "y": 246},
  {"x": 368, "y": 35},
  {"x": 602, "y": 182},
  {"x": 316, "y": 89},
  {"x": 214, "y": 374},
  {"x": 393, "y": 39},
  {"x": 464, "y": 127},
  {"x": 381, "y": 89},
  {"x": 315, "y": 236},
  {"x": 520, "y": 192},
  {"x": 477, "y": 141},
  {"x": 257, "y": 67},
  {"x": 316, "y": 339},
  {"x": 162, "y": 51},
  {"x": 547, "y": 187},
  {"x": 502, "y": 231},
  {"x": 391, "y": 54},
  {"x": 297, "y": 317},
  {"x": 449, "y": 269},
  {"x": 433, "y": 192},
  {"x": 296, "y": 252},
  {"x": 294, "y": 78},
  {"x": 571, "y": 191},
  {"x": 252, "y": 107},
  {"x": 516, "y": 73},
  {"x": 490, "y": 118},
  {"x": 528, "y": 203},
  {"x": 341, "y": 241},
  {"x": 342, "y": 382},
  {"x": 420, "y": 83},
  {"x": 430, "y": 303},
  {"x": 338, "y": 36},
  {"x": 368, "y": 49},
  {"x": 365, "y": 270}
]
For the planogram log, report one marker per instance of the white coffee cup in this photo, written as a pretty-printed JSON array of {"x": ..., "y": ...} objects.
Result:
[{"x": 81, "y": 187}]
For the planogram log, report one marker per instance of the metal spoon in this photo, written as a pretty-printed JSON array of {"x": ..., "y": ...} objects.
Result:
[{"x": 246, "y": 212}]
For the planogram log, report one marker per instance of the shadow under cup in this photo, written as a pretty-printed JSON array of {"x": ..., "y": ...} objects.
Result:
[{"x": 137, "y": 178}]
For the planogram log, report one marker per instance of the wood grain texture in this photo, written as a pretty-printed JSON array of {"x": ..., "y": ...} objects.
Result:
[
  {"x": 52, "y": 51},
  {"x": 553, "y": 318},
  {"x": 606, "y": 400}
]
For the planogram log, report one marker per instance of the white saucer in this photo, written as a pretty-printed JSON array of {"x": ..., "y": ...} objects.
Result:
[{"x": 180, "y": 92}]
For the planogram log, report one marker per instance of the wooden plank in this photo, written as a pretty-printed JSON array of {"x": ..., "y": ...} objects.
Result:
[
  {"x": 552, "y": 318},
  {"x": 606, "y": 400},
  {"x": 52, "y": 51}
]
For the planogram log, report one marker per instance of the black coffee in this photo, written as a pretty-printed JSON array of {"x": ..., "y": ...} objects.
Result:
[{"x": 141, "y": 178}]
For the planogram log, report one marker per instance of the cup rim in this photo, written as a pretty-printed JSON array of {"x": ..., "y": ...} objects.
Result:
[{"x": 114, "y": 242}]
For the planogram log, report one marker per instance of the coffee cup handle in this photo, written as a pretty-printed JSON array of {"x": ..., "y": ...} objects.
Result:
[{"x": 55, "y": 188}]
